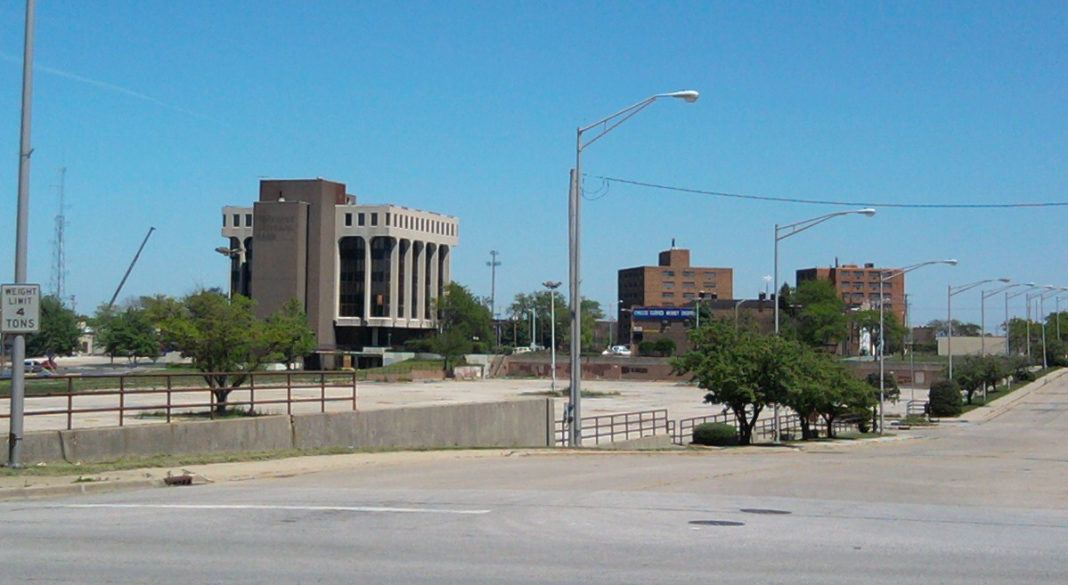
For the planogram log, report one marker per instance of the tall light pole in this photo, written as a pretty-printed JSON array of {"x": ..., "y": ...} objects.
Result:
[
  {"x": 781, "y": 233},
  {"x": 22, "y": 215},
  {"x": 785, "y": 231},
  {"x": 493, "y": 264},
  {"x": 603, "y": 126},
  {"x": 982, "y": 315},
  {"x": 1008, "y": 332},
  {"x": 1041, "y": 317},
  {"x": 882, "y": 328},
  {"x": 552, "y": 286},
  {"x": 952, "y": 291},
  {"x": 1030, "y": 296}
]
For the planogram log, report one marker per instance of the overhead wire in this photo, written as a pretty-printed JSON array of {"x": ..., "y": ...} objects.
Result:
[{"x": 609, "y": 180}]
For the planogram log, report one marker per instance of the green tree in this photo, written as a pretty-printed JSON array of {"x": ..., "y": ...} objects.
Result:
[
  {"x": 739, "y": 369},
  {"x": 288, "y": 335},
  {"x": 960, "y": 329},
  {"x": 222, "y": 337},
  {"x": 895, "y": 332},
  {"x": 890, "y": 392},
  {"x": 58, "y": 332},
  {"x": 466, "y": 325},
  {"x": 977, "y": 373},
  {"x": 818, "y": 314},
  {"x": 128, "y": 333}
]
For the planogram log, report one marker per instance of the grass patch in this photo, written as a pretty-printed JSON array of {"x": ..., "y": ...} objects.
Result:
[
  {"x": 202, "y": 414},
  {"x": 404, "y": 367}
]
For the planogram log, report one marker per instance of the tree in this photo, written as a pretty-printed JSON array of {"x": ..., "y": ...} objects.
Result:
[
  {"x": 466, "y": 324},
  {"x": 977, "y": 373},
  {"x": 740, "y": 369},
  {"x": 58, "y": 332},
  {"x": 288, "y": 335},
  {"x": 941, "y": 328},
  {"x": 895, "y": 332},
  {"x": 819, "y": 314},
  {"x": 129, "y": 333},
  {"x": 823, "y": 388},
  {"x": 889, "y": 391},
  {"x": 223, "y": 338}
]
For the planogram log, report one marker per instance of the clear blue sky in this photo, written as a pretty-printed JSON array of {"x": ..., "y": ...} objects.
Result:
[{"x": 163, "y": 112}]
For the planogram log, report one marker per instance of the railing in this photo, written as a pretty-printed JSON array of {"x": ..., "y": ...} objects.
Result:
[
  {"x": 611, "y": 427},
  {"x": 684, "y": 431},
  {"x": 916, "y": 408},
  {"x": 164, "y": 397}
]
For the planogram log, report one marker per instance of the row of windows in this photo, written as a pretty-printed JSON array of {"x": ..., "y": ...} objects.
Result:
[
  {"x": 708, "y": 275},
  {"x": 409, "y": 222},
  {"x": 237, "y": 220}
]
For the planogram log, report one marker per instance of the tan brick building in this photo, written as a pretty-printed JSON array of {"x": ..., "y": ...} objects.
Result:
[{"x": 858, "y": 286}]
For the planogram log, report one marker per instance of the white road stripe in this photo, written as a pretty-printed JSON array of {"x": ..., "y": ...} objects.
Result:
[{"x": 366, "y": 509}]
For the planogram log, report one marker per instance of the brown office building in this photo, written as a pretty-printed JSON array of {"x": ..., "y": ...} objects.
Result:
[
  {"x": 858, "y": 286},
  {"x": 671, "y": 283},
  {"x": 366, "y": 274}
]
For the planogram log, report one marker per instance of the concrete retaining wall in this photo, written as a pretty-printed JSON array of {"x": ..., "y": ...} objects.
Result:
[{"x": 517, "y": 423}]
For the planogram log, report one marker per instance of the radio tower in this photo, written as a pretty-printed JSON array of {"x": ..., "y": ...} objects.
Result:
[{"x": 59, "y": 254}]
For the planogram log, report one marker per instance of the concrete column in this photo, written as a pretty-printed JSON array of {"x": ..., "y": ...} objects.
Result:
[
  {"x": 433, "y": 278},
  {"x": 367, "y": 279},
  {"x": 445, "y": 262},
  {"x": 406, "y": 286},
  {"x": 394, "y": 277},
  {"x": 419, "y": 304}
]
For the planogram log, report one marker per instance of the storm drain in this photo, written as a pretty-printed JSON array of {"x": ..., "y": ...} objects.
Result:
[
  {"x": 763, "y": 511},
  {"x": 716, "y": 523}
]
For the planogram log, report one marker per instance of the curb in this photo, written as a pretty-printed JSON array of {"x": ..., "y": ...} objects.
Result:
[{"x": 76, "y": 489}]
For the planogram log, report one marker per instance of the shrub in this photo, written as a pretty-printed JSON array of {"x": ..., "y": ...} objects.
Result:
[
  {"x": 717, "y": 434},
  {"x": 647, "y": 348},
  {"x": 665, "y": 347},
  {"x": 945, "y": 398}
]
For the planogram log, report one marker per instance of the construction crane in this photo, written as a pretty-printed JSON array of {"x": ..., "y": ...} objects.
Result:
[{"x": 128, "y": 270}]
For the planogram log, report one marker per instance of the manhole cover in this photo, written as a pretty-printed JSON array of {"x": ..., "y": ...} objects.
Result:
[
  {"x": 763, "y": 511},
  {"x": 716, "y": 523}
]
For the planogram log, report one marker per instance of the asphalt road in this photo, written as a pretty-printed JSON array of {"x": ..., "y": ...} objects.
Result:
[{"x": 979, "y": 503}]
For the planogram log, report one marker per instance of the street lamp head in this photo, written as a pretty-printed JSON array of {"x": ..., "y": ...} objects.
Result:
[
  {"x": 689, "y": 95},
  {"x": 951, "y": 261},
  {"x": 867, "y": 211},
  {"x": 1004, "y": 280}
]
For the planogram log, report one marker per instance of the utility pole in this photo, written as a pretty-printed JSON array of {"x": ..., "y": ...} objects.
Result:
[{"x": 493, "y": 264}]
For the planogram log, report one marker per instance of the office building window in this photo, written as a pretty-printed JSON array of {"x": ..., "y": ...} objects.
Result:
[
  {"x": 374, "y": 219},
  {"x": 248, "y": 220},
  {"x": 360, "y": 219},
  {"x": 348, "y": 220}
]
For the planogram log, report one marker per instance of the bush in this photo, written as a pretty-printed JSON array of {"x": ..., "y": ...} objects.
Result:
[
  {"x": 945, "y": 398},
  {"x": 716, "y": 434},
  {"x": 665, "y": 347},
  {"x": 647, "y": 348}
]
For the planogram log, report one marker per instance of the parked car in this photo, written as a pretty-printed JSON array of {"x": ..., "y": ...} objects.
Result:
[
  {"x": 33, "y": 367},
  {"x": 620, "y": 350}
]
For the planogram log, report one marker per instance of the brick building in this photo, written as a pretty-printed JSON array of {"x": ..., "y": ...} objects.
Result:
[{"x": 673, "y": 282}]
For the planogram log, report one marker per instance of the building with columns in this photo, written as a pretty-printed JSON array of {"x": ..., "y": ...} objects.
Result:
[{"x": 366, "y": 274}]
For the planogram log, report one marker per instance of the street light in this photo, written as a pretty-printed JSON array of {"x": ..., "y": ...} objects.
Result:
[
  {"x": 952, "y": 291},
  {"x": 552, "y": 286},
  {"x": 796, "y": 228},
  {"x": 982, "y": 316},
  {"x": 1033, "y": 295},
  {"x": 1041, "y": 316},
  {"x": 791, "y": 230},
  {"x": 574, "y": 231},
  {"x": 882, "y": 327}
]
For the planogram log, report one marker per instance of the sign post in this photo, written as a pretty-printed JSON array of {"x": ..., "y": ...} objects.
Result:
[{"x": 20, "y": 313}]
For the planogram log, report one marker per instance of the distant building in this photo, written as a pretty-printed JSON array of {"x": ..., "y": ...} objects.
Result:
[
  {"x": 671, "y": 283},
  {"x": 858, "y": 286},
  {"x": 367, "y": 275}
]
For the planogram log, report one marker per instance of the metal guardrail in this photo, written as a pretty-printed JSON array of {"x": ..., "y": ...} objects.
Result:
[
  {"x": 185, "y": 394},
  {"x": 611, "y": 427}
]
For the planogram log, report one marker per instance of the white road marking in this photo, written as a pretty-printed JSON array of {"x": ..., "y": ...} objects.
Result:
[{"x": 365, "y": 509}]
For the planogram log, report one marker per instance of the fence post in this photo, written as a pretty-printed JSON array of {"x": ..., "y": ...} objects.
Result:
[
  {"x": 289, "y": 392},
  {"x": 169, "y": 398},
  {"x": 122, "y": 398},
  {"x": 354, "y": 390},
  {"x": 70, "y": 403},
  {"x": 322, "y": 392},
  {"x": 252, "y": 392}
]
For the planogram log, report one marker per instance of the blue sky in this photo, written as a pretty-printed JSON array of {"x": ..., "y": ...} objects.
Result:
[{"x": 163, "y": 112}]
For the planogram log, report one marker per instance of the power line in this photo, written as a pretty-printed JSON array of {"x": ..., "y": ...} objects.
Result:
[{"x": 609, "y": 180}]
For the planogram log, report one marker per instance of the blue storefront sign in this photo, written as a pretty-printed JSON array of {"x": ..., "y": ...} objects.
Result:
[{"x": 663, "y": 313}]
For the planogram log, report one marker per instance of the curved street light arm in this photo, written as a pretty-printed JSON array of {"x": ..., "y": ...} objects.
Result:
[
  {"x": 990, "y": 293},
  {"x": 910, "y": 268},
  {"x": 800, "y": 226},
  {"x": 610, "y": 122}
]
